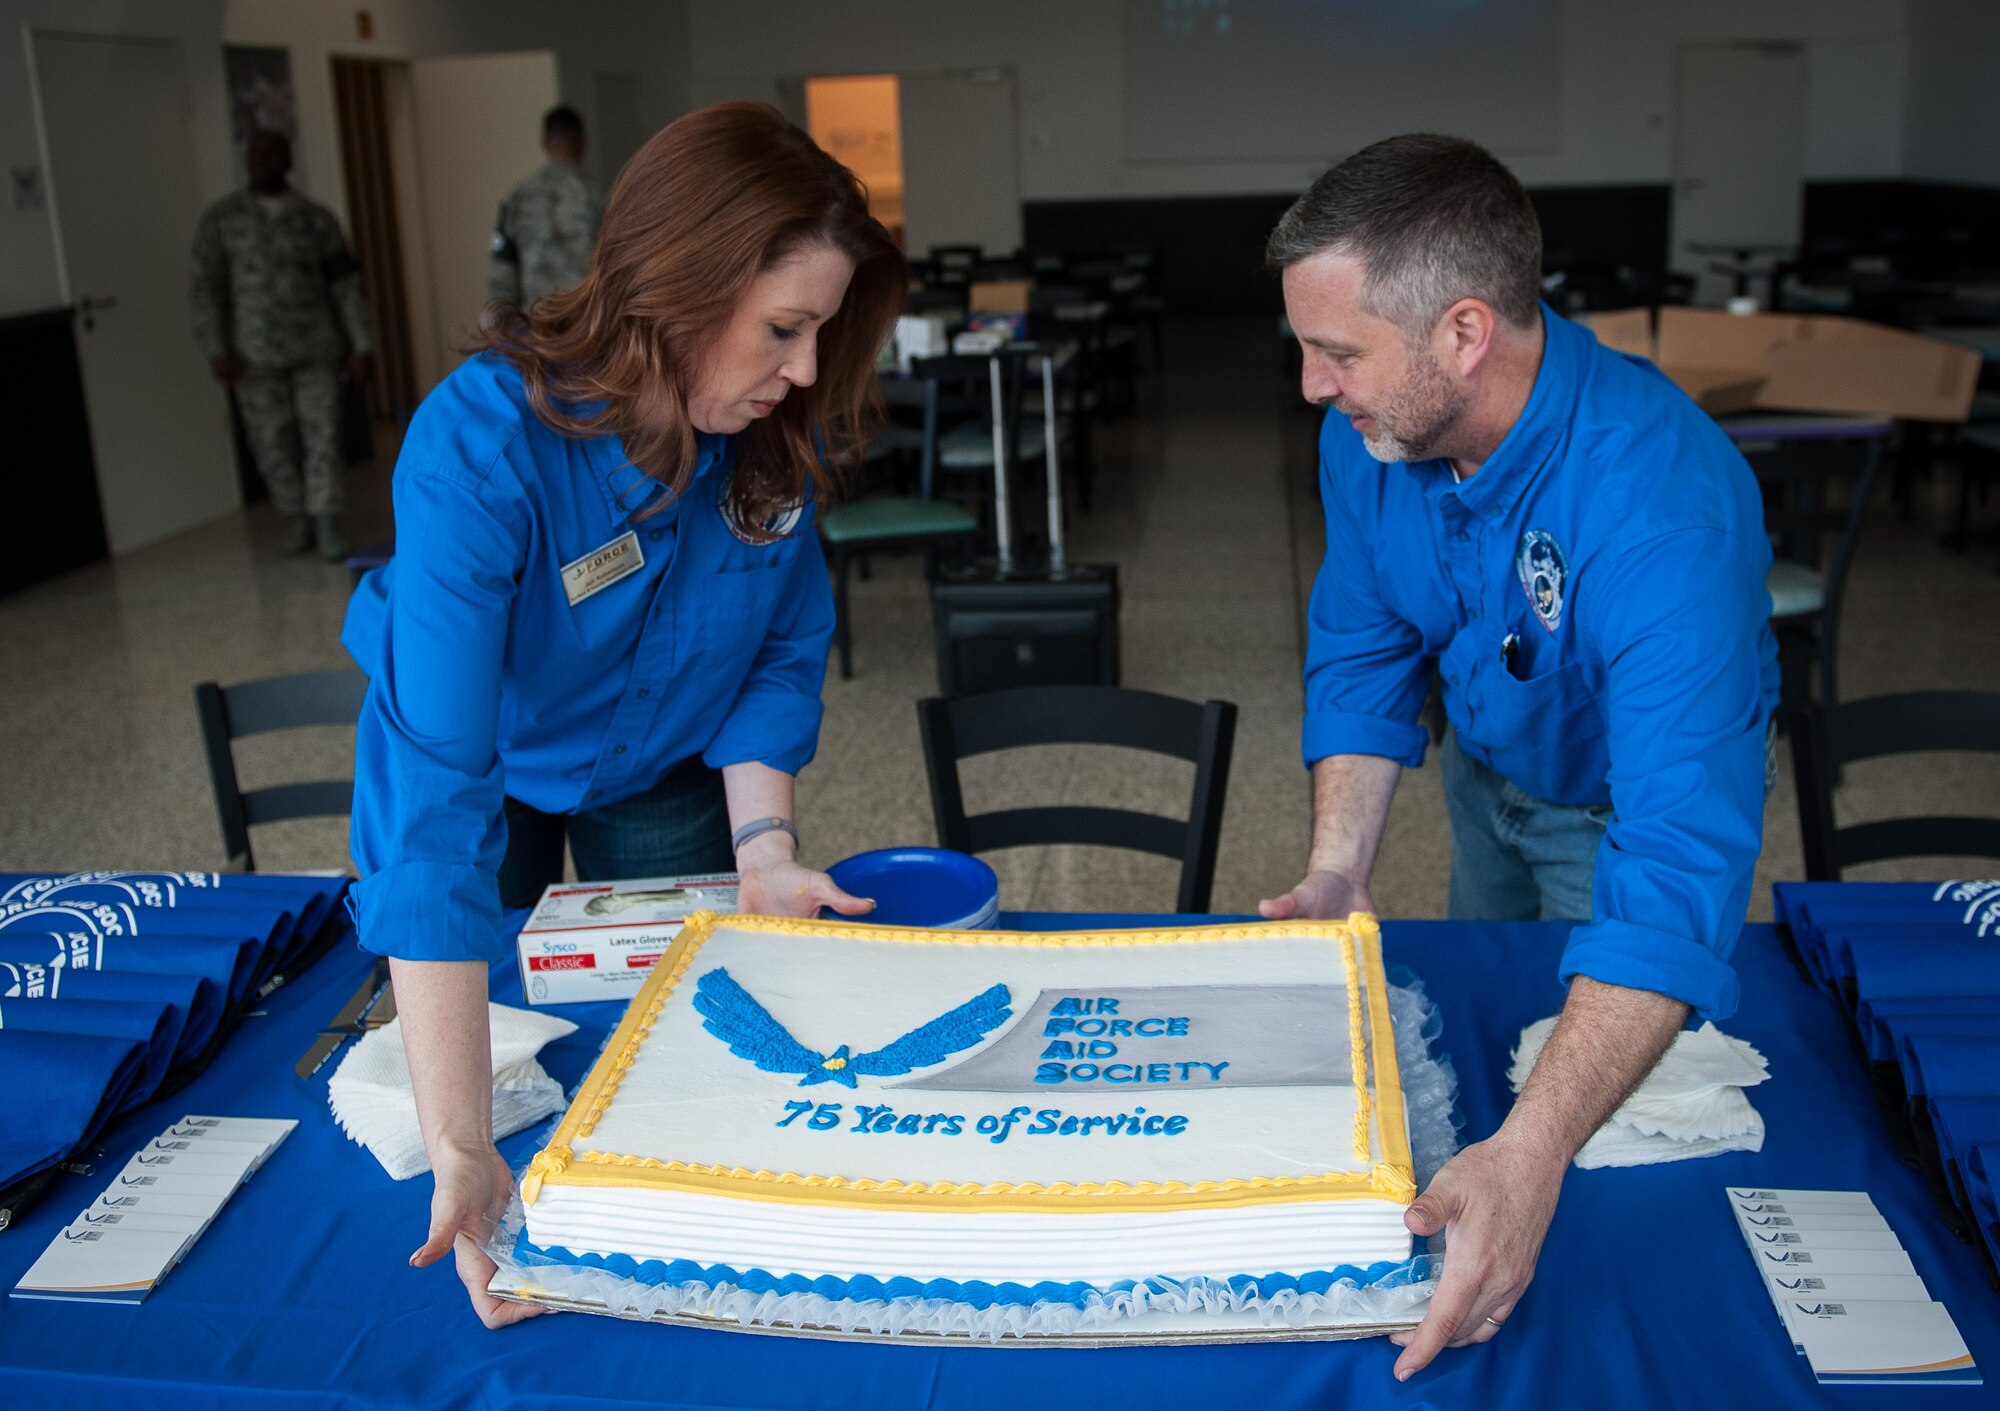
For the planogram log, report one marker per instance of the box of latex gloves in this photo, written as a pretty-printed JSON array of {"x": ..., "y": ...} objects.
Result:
[{"x": 597, "y": 940}]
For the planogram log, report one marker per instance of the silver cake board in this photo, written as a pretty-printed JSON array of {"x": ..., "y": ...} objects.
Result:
[{"x": 1154, "y": 1328}]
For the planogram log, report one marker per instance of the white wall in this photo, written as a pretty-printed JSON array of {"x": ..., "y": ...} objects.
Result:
[
  {"x": 589, "y": 37},
  {"x": 1616, "y": 64},
  {"x": 28, "y": 278},
  {"x": 1954, "y": 127}
]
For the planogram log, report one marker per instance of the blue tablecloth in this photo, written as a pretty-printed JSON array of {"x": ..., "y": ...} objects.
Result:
[{"x": 300, "y": 1294}]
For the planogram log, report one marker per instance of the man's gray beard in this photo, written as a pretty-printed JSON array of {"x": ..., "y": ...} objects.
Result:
[{"x": 1431, "y": 402}]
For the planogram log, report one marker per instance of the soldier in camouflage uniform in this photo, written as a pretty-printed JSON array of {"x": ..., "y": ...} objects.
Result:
[
  {"x": 548, "y": 224},
  {"x": 279, "y": 310}
]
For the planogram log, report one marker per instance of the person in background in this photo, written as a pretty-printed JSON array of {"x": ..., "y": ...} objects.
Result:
[
  {"x": 548, "y": 224},
  {"x": 607, "y": 618},
  {"x": 1578, "y": 552},
  {"x": 280, "y": 312}
]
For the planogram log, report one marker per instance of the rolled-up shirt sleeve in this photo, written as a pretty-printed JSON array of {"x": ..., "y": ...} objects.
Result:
[
  {"x": 428, "y": 831},
  {"x": 775, "y": 717},
  {"x": 1366, "y": 671},
  {"x": 1679, "y": 623}
]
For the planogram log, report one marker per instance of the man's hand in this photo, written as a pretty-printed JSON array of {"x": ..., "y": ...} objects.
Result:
[
  {"x": 1494, "y": 1202},
  {"x": 1322, "y": 896},
  {"x": 775, "y": 883},
  {"x": 467, "y": 1200},
  {"x": 360, "y": 368},
  {"x": 227, "y": 369}
]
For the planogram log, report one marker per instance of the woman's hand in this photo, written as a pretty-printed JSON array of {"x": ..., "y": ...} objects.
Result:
[
  {"x": 467, "y": 1201},
  {"x": 776, "y": 883}
]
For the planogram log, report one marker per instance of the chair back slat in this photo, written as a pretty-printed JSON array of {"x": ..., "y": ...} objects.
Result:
[
  {"x": 313, "y": 799},
  {"x": 1084, "y": 715},
  {"x": 1079, "y": 824},
  {"x": 1076, "y": 715},
  {"x": 1878, "y": 727},
  {"x": 1918, "y": 837},
  {"x": 227, "y": 713},
  {"x": 287, "y": 702}
]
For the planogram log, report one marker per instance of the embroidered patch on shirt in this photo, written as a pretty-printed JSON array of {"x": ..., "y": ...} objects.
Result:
[
  {"x": 781, "y": 525},
  {"x": 1538, "y": 559}
]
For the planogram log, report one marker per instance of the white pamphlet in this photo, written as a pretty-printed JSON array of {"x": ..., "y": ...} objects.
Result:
[
  {"x": 1832, "y": 1261},
  {"x": 1886, "y": 1343},
  {"x": 102, "y": 1266},
  {"x": 1823, "y": 1239}
]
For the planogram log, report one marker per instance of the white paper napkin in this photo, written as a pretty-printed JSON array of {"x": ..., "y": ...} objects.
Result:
[
  {"x": 372, "y": 1100},
  {"x": 1690, "y": 1105}
]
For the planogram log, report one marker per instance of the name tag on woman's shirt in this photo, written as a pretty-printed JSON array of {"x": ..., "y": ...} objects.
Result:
[{"x": 600, "y": 568}]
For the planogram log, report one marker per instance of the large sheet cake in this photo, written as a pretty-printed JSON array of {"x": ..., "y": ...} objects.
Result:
[{"x": 874, "y": 1112}]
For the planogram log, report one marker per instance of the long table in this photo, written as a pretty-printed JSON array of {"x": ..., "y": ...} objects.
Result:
[{"x": 299, "y": 1294}]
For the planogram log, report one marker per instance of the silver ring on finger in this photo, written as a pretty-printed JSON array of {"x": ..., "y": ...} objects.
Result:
[{"x": 1494, "y": 1321}]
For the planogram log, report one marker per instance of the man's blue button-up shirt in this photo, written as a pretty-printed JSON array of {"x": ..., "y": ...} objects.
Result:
[
  {"x": 1593, "y": 599},
  {"x": 485, "y": 679}
]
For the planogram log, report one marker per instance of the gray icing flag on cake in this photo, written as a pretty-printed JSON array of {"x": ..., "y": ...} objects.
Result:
[{"x": 1188, "y": 1036}]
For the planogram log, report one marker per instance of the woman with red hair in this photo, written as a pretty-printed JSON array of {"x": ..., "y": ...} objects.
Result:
[{"x": 606, "y": 623}]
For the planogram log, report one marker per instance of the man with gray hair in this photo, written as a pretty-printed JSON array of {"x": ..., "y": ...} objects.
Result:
[{"x": 1577, "y": 553}]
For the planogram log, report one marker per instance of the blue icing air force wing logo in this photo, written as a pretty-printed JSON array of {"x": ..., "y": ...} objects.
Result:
[
  {"x": 733, "y": 1015},
  {"x": 1538, "y": 559}
]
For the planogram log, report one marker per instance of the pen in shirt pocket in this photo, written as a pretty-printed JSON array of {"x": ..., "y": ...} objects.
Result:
[{"x": 1510, "y": 651}]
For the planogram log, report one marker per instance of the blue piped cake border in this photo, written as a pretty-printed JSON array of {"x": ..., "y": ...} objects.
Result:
[{"x": 864, "y": 1288}]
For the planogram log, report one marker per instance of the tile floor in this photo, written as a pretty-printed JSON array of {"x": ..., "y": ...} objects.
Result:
[{"x": 1206, "y": 502}]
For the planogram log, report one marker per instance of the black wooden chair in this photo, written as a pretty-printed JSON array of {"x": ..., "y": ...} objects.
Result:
[
  {"x": 1084, "y": 715},
  {"x": 1824, "y": 741},
  {"x": 229, "y": 713},
  {"x": 1817, "y": 474},
  {"x": 889, "y": 522}
]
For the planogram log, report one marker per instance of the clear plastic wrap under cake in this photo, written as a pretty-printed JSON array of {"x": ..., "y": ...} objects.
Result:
[{"x": 1430, "y": 1090}]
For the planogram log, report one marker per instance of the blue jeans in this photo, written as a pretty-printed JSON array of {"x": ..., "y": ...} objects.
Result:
[
  {"x": 677, "y": 828},
  {"x": 1515, "y": 857}
]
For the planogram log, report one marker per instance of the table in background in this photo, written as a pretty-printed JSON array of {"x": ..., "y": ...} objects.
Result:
[{"x": 1646, "y": 1296}]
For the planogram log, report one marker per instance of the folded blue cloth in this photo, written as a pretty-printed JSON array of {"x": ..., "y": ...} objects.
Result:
[
  {"x": 1906, "y": 1027},
  {"x": 1827, "y": 921},
  {"x": 196, "y": 1003},
  {"x": 259, "y": 931},
  {"x": 60, "y": 1090},
  {"x": 304, "y": 904},
  {"x": 1962, "y": 1123},
  {"x": 1884, "y": 969},
  {"x": 1874, "y": 1015},
  {"x": 1982, "y": 1188},
  {"x": 1788, "y": 897},
  {"x": 1807, "y": 907},
  {"x": 227, "y": 961},
  {"x": 151, "y": 1022},
  {"x": 1950, "y": 1065},
  {"x": 1840, "y": 935}
]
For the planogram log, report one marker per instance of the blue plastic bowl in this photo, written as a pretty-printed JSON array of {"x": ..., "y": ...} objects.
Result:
[{"x": 932, "y": 887}]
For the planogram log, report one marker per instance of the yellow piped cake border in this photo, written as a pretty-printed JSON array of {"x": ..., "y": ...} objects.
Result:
[{"x": 1391, "y": 1178}]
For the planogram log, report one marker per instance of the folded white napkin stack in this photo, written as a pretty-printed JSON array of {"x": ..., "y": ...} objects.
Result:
[
  {"x": 371, "y": 1097},
  {"x": 1692, "y": 1104}
]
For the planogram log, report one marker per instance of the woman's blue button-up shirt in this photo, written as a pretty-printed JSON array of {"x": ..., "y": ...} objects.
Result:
[
  {"x": 485, "y": 678},
  {"x": 1593, "y": 599}
]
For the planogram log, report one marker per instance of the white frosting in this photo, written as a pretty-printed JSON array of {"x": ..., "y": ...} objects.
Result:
[
  {"x": 688, "y": 1098},
  {"x": 993, "y": 1248}
]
